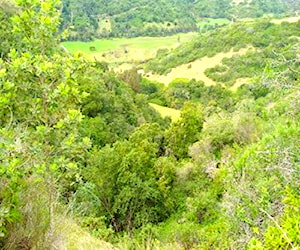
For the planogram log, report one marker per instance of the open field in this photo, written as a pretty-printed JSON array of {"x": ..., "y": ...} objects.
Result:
[
  {"x": 105, "y": 26},
  {"x": 164, "y": 111},
  {"x": 195, "y": 70},
  {"x": 118, "y": 50}
]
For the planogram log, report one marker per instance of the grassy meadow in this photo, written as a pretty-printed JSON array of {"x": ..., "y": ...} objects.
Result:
[
  {"x": 119, "y": 50},
  {"x": 123, "y": 53},
  {"x": 195, "y": 70}
]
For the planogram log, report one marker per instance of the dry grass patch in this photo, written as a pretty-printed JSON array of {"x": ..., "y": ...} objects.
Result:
[
  {"x": 126, "y": 54},
  {"x": 239, "y": 82},
  {"x": 123, "y": 67},
  {"x": 195, "y": 70},
  {"x": 237, "y": 2},
  {"x": 165, "y": 111},
  {"x": 105, "y": 26}
]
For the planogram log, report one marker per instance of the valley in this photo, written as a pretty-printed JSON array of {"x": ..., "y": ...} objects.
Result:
[{"x": 149, "y": 124}]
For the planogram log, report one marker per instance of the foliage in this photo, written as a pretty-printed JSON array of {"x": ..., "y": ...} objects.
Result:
[
  {"x": 7, "y": 8},
  {"x": 259, "y": 34},
  {"x": 133, "y": 78},
  {"x": 128, "y": 180},
  {"x": 184, "y": 132},
  {"x": 77, "y": 140},
  {"x": 112, "y": 109},
  {"x": 285, "y": 233},
  {"x": 102, "y": 18},
  {"x": 40, "y": 143}
]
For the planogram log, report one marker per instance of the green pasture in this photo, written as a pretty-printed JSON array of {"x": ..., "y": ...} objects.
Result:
[{"x": 147, "y": 43}]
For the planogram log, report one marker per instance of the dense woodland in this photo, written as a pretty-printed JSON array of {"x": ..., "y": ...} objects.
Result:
[
  {"x": 88, "y": 19},
  {"x": 80, "y": 144}
]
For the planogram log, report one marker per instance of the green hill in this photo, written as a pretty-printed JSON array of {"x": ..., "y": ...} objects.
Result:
[
  {"x": 88, "y": 19},
  {"x": 258, "y": 34}
]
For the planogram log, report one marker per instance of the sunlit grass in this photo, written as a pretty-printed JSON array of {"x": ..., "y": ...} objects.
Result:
[
  {"x": 165, "y": 111},
  {"x": 105, "y": 45},
  {"x": 76, "y": 238},
  {"x": 195, "y": 70}
]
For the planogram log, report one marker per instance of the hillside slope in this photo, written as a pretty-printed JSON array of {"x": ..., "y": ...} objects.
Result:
[
  {"x": 103, "y": 18},
  {"x": 263, "y": 37}
]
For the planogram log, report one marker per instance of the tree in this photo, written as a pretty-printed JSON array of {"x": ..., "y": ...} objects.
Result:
[
  {"x": 131, "y": 185},
  {"x": 184, "y": 132}
]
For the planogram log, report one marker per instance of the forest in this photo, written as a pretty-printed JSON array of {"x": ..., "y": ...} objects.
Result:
[
  {"x": 88, "y": 162},
  {"x": 89, "y": 19}
]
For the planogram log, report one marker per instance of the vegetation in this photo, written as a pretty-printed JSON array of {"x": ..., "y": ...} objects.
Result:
[
  {"x": 85, "y": 160},
  {"x": 240, "y": 35},
  {"x": 197, "y": 69},
  {"x": 88, "y": 19}
]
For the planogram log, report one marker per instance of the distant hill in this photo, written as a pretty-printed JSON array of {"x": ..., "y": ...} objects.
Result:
[{"x": 87, "y": 19}]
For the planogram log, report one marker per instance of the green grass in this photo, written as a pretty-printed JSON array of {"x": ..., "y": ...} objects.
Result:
[
  {"x": 213, "y": 21},
  {"x": 104, "y": 45}
]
